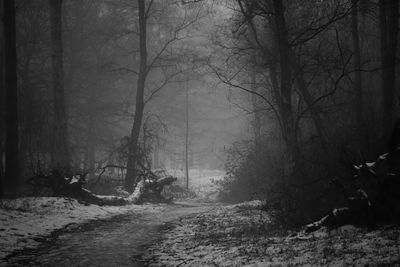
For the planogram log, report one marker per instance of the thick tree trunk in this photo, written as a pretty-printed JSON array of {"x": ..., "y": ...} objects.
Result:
[
  {"x": 133, "y": 149},
  {"x": 288, "y": 127},
  {"x": 60, "y": 151},
  {"x": 388, "y": 16},
  {"x": 11, "y": 156},
  {"x": 187, "y": 138},
  {"x": 2, "y": 101},
  {"x": 285, "y": 71},
  {"x": 358, "y": 96}
]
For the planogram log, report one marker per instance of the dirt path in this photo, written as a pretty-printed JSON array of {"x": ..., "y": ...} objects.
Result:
[{"x": 115, "y": 242}]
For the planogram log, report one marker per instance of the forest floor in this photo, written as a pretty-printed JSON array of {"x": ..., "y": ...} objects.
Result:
[
  {"x": 64, "y": 232},
  {"x": 244, "y": 235},
  {"x": 181, "y": 234},
  {"x": 25, "y": 223}
]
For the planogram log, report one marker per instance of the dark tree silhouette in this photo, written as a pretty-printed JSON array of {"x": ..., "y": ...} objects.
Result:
[
  {"x": 11, "y": 164},
  {"x": 60, "y": 153},
  {"x": 130, "y": 179},
  {"x": 389, "y": 25},
  {"x": 2, "y": 99},
  {"x": 358, "y": 96}
]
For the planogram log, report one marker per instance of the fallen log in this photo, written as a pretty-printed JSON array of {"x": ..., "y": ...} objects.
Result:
[
  {"x": 137, "y": 196},
  {"x": 151, "y": 190},
  {"x": 377, "y": 202},
  {"x": 57, "y": 184}
]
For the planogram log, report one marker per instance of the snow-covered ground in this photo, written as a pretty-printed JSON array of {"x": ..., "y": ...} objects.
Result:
[
  {"x": 242, "y": 235},
  {"x": 24, "y": 220}
]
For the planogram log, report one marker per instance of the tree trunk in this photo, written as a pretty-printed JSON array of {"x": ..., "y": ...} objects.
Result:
[
  {"x": 91, "y": 137},
  {"x": 60, "y": 151},
  {"x": 156, "y": 155},
  {"x": 11, "y": 156},
  {"x": 358, "y": 96},
  {"x": 91, "y": 148},
  {"x": 285, "y": 71},
  {"x": 187, "y": 138},
  {"x": 388, "y": 17},
  {"x": 288, "y": 130},
  {"x": 2, "y": 101},
  {"x": 133, "y": 149}
]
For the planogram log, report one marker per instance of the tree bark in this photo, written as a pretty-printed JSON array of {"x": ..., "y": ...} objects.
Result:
[
  {"x": 11, "y": 156},
  {"x": 91, "y": 137},
  {"x": 285, "y": 71},
  {"x": 60, "y": 151},
  {"x": 133, "y": 149},
  {"x": 187, "y": 138},
  {"x": 388, "y": 17},
  {"x": 358, "y": 94},
  {"x": 288, "y": 130},
  {"x": 2, "y": 101}
]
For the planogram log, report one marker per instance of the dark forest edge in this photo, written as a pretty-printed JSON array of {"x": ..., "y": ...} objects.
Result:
[{"x": 369, "y": 196}]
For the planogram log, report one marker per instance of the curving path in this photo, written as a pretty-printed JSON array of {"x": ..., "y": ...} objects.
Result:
[{"x": 119, "y": 241}]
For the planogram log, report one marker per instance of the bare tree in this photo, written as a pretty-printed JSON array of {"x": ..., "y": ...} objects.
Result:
[
  {"x": 2, "y": 99},
  {"x": 161, "y": 60},
  {"x": 358, "y": 96},
  {"x": 11, "y": 164},
  {"x": 388, "y": 18},
  {"x": 133, "y": 148},
  {"x": 289, "y": 133},
  {"x": 60, "y": 151}
]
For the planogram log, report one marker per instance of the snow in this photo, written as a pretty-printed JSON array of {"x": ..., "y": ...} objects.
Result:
[
  {"x": 74, "y": 180},
  {"x": 24, "y": 220},
  {"x": 218, "y": 235},
  {"x": 244, "y": 235}
]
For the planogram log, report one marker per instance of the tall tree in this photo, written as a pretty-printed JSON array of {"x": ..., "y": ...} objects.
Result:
[
  {"x": 388, "y": 18},
  {"x": 60, "y": 151},
  {"x": 133, "y": 148},
  {"x": 2, "y": 99},
  {"x": 161, "y": 63},
  {"x": 187, "y": 136},
  {"x": 11, "y": 164},
  {"x": 285, "y": 100},
  {"x": 358, "y": 96}
]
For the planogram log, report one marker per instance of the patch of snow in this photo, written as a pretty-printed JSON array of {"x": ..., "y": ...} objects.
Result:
[
  {"x": 22, "y": 220},
  {"x": 74, "y": 180},
  {"x": 383, "y": 156},
  {"x": 370, "y": 164},
  {"x": 242, "y": 235}
]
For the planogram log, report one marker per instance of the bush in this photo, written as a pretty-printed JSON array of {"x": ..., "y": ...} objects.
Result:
[
  {"x": 261, "y": 171},
  {"x": 250, "y": 171}
]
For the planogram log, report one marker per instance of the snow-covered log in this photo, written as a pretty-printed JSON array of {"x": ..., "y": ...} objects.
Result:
[
  {"x": 137, "y": 196},
  {"x": 150, "y": 190},
  {"x": 59, "y": 185}
]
